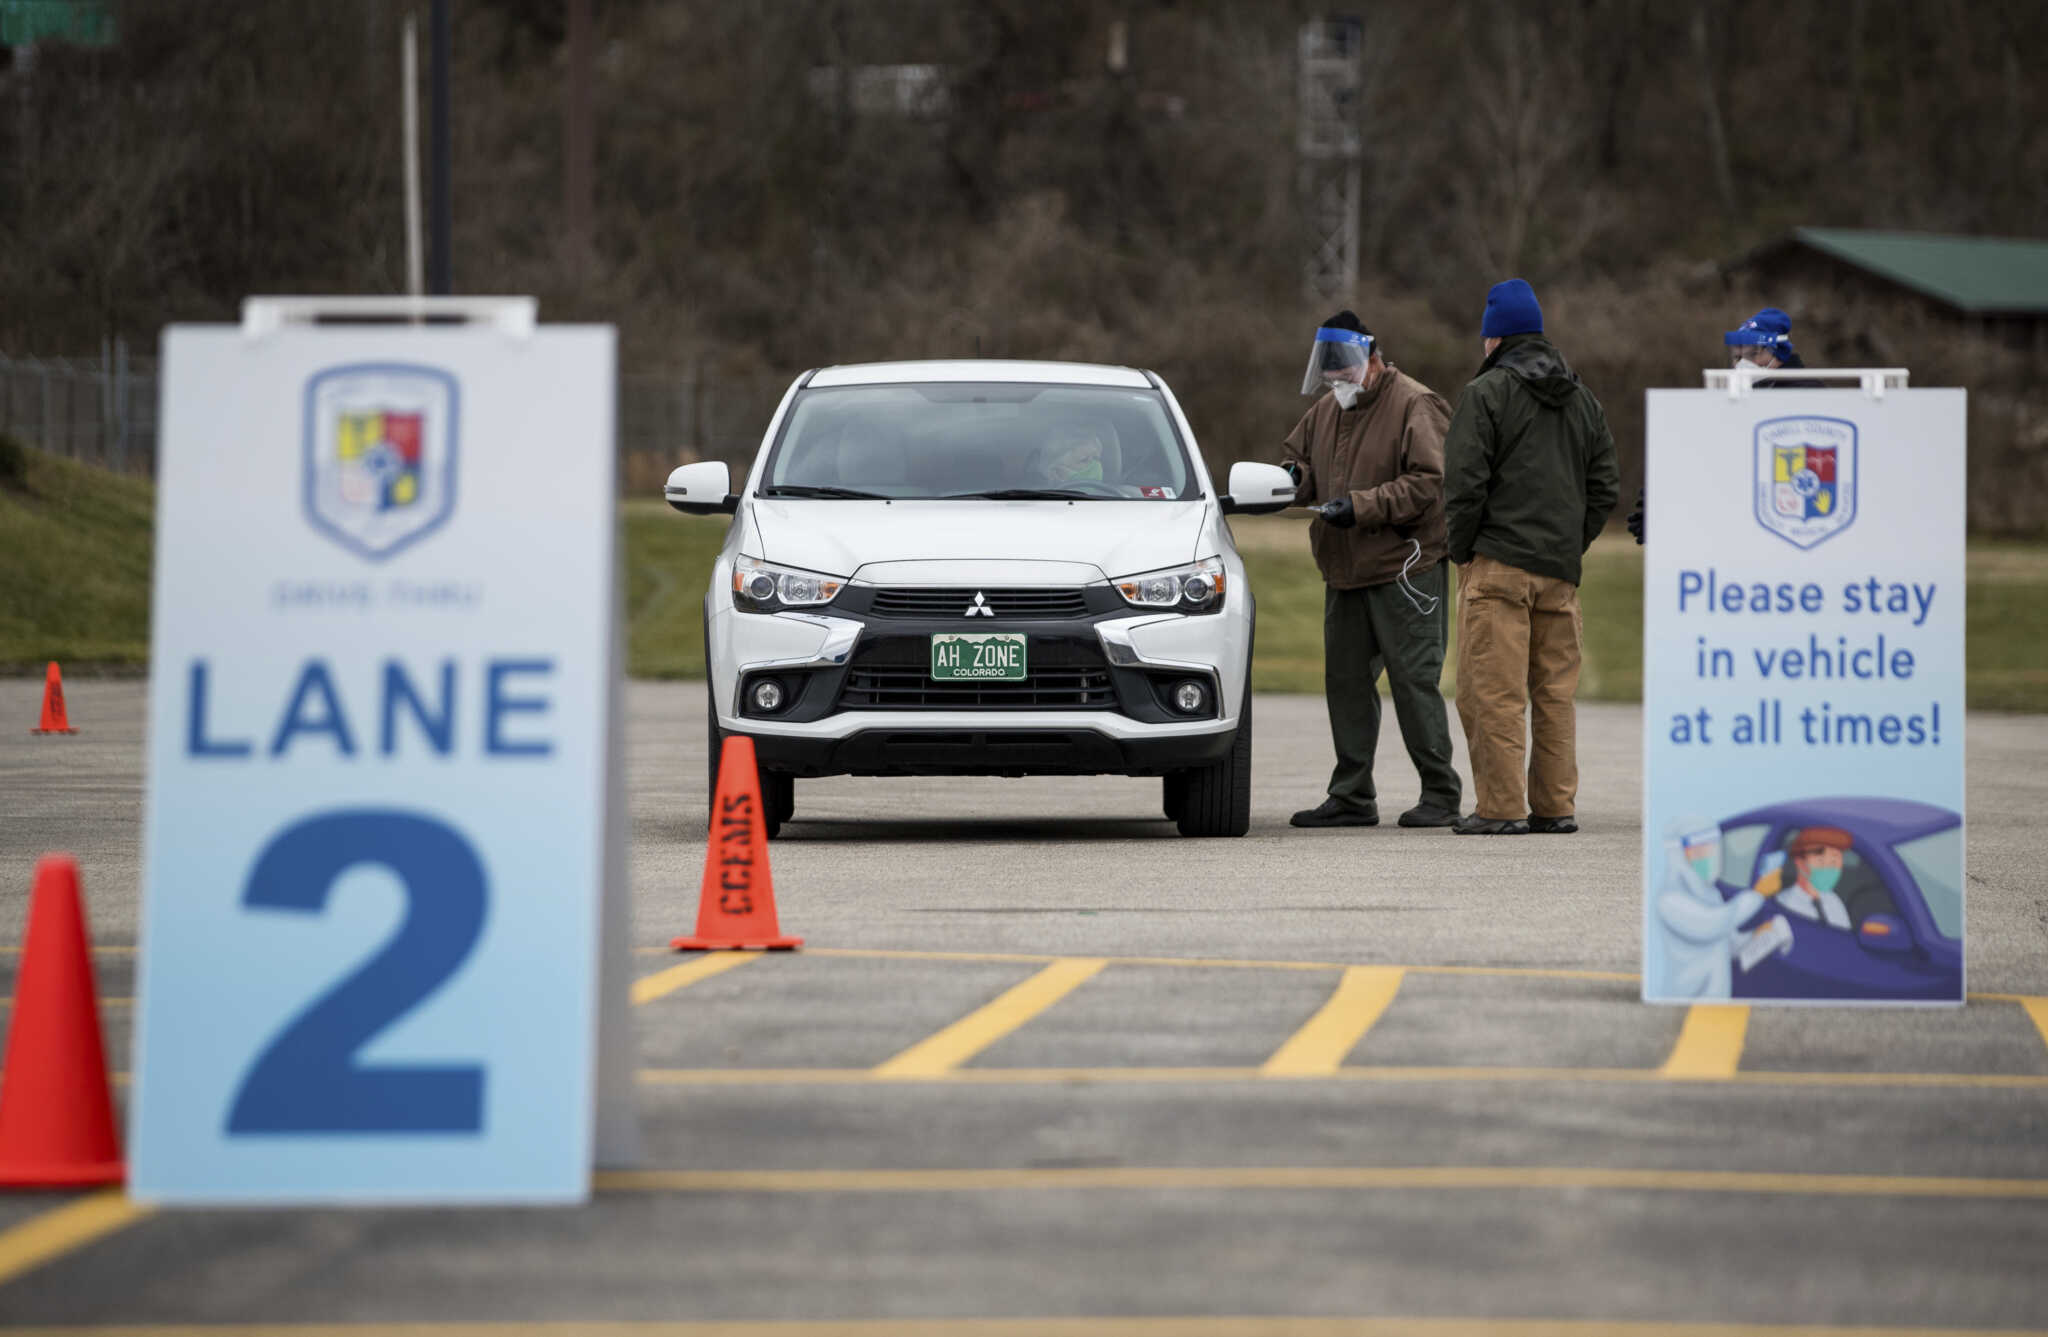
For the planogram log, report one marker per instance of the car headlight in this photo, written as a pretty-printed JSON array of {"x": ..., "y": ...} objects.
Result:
[
  {"x": 1194, "y": 588},
  {"x": 762, "y": 587}
]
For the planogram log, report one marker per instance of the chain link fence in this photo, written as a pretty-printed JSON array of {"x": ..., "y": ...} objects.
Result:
[{"x": 103, "y": 412}]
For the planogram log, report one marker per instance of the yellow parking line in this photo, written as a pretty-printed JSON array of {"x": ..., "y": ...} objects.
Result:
[
  {"x": 961, "y": 1041},
  {"x": 1710, "y": 1044},
  {"x": 1327, "y": 1039},
  {"x": 1316, "y": 1178},
  {"x": 54, "y": 1233},
  {"x": 2037, "y": 1012},
  {"x": 1390, "y": 1075},
  {"x": 665, "y": 982}
]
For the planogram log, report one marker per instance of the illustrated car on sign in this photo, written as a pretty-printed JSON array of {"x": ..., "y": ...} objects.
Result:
[
  {"x": 1889, "y": 925},
  {"x": 984, "y": 568}
]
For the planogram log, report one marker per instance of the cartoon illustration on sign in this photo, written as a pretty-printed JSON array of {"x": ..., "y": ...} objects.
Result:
[
  {"x": 380, "y": 445},
  {"x": 1805, "y": 478},
  {"x": 1821, "y": 898}
]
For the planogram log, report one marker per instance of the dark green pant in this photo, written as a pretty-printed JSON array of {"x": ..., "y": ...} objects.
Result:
[{"x": 1365, "y": 631}]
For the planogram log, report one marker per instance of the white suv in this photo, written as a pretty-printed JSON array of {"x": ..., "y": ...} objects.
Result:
[{"x": 984, "y": 568}]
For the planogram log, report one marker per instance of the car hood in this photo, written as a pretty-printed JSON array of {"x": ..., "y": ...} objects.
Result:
[{"x": 1120, "y": 538}]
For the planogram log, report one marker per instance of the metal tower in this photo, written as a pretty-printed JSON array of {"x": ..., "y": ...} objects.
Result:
[{"x": 1329, "y": 145}]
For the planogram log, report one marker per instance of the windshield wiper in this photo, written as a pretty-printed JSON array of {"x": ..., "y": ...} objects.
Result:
[
  {"x": 1024, "y": 494},
  {"x": 800, "y": 490}
]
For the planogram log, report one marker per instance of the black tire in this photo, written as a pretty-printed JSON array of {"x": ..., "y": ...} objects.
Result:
[
  {"x": 778, "y": 797},
  {"x": 1174, "y": 795},
  {"x": 1218, "y": 798},
  {"x": 778, "y": 792}
]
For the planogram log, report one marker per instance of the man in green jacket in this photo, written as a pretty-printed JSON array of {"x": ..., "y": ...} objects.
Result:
[
  {"x": 1368, "y": 455},
  {"x": 1529, "y": 477}
]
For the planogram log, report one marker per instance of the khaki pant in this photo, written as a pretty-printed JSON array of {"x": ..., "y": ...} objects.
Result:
[{"x": 1518, "y": 654}]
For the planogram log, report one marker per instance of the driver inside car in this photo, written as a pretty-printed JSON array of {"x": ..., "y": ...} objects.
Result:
[
  {"x": 1815, "y": 870},
  {"x": 1072, "y": 454}
]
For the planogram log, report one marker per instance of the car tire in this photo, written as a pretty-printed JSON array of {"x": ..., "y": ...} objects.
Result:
[
  {"x": 778, "y": 799},
  {"x": 778, "y": 791},
  {"x": 1174, "y": 795},
  {"x": 1218, "y": 799}
]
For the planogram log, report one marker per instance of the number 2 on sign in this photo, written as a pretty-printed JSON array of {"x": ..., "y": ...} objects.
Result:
[{"x": 307, "y": 1079}]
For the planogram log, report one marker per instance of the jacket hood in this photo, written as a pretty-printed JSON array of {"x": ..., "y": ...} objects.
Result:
[{"x": 1535, "y": 361}]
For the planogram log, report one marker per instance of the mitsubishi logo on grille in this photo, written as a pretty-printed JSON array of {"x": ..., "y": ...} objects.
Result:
[{"x": 980, "y": 608}]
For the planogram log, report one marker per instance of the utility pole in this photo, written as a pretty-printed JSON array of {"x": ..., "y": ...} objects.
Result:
[
  {"x": 409, "y": 64},
  {"x": 1330, "y": 147},
  {"x": 577, "y": 148},
  {"x": 438, "y": 262}
]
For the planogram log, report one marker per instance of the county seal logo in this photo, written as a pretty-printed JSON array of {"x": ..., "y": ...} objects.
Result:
[
  {"x": 1805, "y": 478},
  {"x": 380, "y": 442}
]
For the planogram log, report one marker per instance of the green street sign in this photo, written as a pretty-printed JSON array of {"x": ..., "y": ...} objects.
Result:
[{"x": 80, "y": 22}]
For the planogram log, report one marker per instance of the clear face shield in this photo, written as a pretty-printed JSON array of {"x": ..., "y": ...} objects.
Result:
[
  {"x": 1337, "y": 356},
  {"x": 1703, "y": 851},
  {"x": 1761, "y": 347}
]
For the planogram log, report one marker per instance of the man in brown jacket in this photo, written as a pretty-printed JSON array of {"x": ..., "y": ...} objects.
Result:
[{"x": 1369, "y": 457}]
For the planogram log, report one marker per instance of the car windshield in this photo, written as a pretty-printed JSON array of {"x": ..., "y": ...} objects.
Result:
[
  {"x": 1936, "y": 863},
  {"x": 993, "y": 440}
]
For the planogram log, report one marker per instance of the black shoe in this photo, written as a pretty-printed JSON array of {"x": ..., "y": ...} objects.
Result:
[
  {"x": 1553, "y": 826},
  {"x": 1475, "y": 825},
  {"x": 1428, "y": 814},
  {"x": 1335, "y": 812}
]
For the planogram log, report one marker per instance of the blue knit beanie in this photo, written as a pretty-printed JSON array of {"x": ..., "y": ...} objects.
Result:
[{"x": 1511, "y": 309}]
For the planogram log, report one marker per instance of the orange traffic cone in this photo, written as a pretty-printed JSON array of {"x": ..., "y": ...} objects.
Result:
[
  {"x": 54, "y": 718},
  {"x": 56, "y": 1113},
  {"x": 736, "y": 908}
]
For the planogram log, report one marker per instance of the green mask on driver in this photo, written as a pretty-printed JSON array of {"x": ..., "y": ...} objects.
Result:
[{"x": 1824, "y": 879}]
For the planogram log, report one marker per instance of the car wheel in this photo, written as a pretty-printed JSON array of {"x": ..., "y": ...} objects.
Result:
[
  {"x": 1218, "y": 798},
  {"x": 1174, "y": 795},
  {"x": 778, "y": 792},
  {"x": 778, "y": 799}
]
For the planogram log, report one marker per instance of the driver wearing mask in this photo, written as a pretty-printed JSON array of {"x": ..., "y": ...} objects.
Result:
[
  {"x": 1072, "y": 454},
  {"x": 1816, "y": 855}
]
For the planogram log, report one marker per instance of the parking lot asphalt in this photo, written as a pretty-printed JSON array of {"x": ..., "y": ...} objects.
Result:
[{"x": 1044, "y": 1066}]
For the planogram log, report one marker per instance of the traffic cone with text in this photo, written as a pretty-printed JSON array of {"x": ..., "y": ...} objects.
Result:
[
  {"x": 736, "y": 908},
  {"x": 54, "y": 719},
  {"x": 56, "y": 1111}
]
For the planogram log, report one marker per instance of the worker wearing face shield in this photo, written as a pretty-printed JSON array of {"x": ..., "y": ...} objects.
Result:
[
  {"x": 1697, "y": 938},
  {"x": 1368, "y": 458},
  {"x": 1763, "y": 341}
]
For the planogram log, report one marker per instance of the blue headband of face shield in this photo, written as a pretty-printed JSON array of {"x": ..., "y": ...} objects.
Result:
[
  {"x": 1751, "y": 336},
  {"x": 1326, "y": 335}
]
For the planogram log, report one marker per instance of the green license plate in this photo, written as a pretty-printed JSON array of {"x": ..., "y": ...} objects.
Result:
[{"x": 989, "y": 658}]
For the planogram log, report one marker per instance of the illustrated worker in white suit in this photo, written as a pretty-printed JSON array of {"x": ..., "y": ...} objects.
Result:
[{"x": 1698, "y": 927}]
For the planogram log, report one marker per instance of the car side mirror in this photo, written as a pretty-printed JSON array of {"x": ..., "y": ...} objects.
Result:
[
  {"x": 1883, "y": 933},
  {"x": 703, "y": 488},
  {"x": 1258, "y": 489}
]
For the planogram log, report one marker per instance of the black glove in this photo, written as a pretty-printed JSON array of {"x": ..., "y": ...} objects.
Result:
[
  {"x": 1635, "y": 520},
  {"x": 1293, "y": 471},
  {"x": 1337, "y": 512}
]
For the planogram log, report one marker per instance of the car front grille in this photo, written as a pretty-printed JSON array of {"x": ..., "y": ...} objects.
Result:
[
  {"x": 912, "y": 689},
  {"x": 1029, "y": 603}
]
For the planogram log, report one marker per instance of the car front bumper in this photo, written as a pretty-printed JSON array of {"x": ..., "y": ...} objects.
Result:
[{"x": 814, "y": 653}]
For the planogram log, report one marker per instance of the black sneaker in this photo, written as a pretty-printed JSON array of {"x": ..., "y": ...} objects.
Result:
[
  {"x": 1428, "y": 814},
  {"x": 1475, "y": 825},
  {"x": 1335, "y": 812},
  {"x": 1553, "y": 826}
]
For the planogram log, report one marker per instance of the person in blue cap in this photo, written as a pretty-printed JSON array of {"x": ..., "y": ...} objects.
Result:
[
  {"x": 1529, "y": 477},
  {"x": 1764, "y": 340}
]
